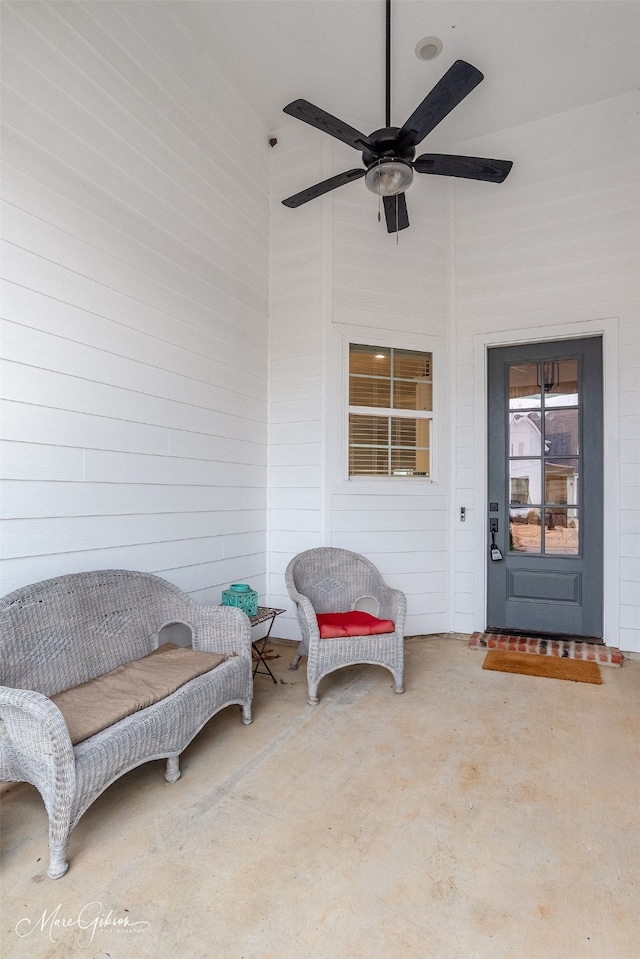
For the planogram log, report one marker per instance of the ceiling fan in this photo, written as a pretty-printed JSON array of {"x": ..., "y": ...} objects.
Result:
[{"x": 388, "y": 154}]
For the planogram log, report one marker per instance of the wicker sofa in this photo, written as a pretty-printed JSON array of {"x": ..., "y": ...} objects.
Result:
[{"x": 64, "y": 632}]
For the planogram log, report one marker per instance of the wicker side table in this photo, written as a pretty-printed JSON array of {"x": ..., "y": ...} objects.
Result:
[{"x": 265, "y": 614}]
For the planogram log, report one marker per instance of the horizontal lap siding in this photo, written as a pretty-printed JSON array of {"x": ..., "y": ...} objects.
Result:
[
  {"x": 396, "y": 294},
  {"x": 336, "y": 273},
  {"x": 557, "y": 243},
  {"x": 135, "y": 303},
  {"x": 297, "y": 272}
]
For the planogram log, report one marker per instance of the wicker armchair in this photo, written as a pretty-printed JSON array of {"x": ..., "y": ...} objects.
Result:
[{"x": 328, "y": 580}]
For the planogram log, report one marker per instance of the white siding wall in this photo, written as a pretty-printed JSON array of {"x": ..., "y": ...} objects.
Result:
[
  {"x": 555, "y": 250},
  {"x": 297, "y": 270},
  {"x": 135, "y": 307},
  {"x": 338, "y": 277},
  {"x": 135, "y": 303}
]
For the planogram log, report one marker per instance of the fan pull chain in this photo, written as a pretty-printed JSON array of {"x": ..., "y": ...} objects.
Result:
[
  {"x": 397, "y": 227},
  {"x": 379, "y": 193}
]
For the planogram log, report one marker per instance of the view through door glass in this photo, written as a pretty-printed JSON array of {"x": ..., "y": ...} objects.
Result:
[{"x": 544, "y": 457}]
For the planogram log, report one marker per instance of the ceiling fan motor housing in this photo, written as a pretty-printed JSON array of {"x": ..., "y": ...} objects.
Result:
[{"x": 386, "y": 146}]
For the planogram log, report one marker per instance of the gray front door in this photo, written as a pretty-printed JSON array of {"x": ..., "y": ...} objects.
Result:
[{"x": 545, "y": 503}]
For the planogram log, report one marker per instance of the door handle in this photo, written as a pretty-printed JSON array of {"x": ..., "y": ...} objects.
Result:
[{"x": 494, "y": 550}]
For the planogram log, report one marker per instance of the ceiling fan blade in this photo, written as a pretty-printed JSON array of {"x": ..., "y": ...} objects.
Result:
[
  {"x": 395, "y": 212},
  {"x": 308, "y": 113},
  {"x": 472, "y": 168},
  {"x": 457, "y": 83},
  {"x": 319, "y": 188}
]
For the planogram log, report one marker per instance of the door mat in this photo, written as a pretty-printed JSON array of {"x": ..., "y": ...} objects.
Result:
[{"x": 551, "y": 667}]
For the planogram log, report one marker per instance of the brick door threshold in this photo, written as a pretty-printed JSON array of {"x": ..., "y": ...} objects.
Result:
[{"x": 567, "y": 648}]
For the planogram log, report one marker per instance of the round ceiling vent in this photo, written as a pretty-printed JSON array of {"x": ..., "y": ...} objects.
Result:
[{"x": 428, "y": 48}]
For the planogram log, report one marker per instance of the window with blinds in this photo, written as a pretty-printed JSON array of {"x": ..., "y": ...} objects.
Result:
[{"x": 390, "y": 411}]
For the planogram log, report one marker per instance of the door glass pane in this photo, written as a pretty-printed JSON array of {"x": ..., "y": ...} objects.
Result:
[
  {"x": 524, "y": 386},
  {"x": 524, "y": 482},
  {"x": 525, "y": 437},
  {"x": 561, "y": 531},
  {"x": 544, "y": 456},
  {"x": 560, "y": 382},
  {"x": 561, "y": 482},
  {"x": 561, "y": 432},
  {"x": 525, "y": 530}
]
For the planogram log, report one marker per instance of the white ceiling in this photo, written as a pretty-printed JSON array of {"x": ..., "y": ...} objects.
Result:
[{"x": 539, "y": 57}]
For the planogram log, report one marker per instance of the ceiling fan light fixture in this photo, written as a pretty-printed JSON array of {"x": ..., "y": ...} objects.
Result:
[{"x": 389, "y": 177}]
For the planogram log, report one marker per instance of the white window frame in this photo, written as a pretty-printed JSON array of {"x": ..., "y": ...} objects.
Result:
[{"x": 387, "y": 412}]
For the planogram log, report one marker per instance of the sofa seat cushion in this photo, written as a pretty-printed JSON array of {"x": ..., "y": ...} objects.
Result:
[
  {"x": 105, "y": 700},
  {"x": 353, "y": 623}
]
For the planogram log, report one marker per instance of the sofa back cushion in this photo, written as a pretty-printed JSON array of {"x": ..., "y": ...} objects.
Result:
[{"x": 61, "y": 632}]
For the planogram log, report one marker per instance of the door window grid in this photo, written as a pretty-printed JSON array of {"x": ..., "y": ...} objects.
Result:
[{"x": 544, "y": 421}]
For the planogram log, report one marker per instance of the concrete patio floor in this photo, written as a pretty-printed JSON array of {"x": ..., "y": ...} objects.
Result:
[{"x": 478, "y": 816}]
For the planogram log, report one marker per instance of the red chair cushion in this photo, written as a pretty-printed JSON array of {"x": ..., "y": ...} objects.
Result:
[{"x": 353, "y": 623}]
